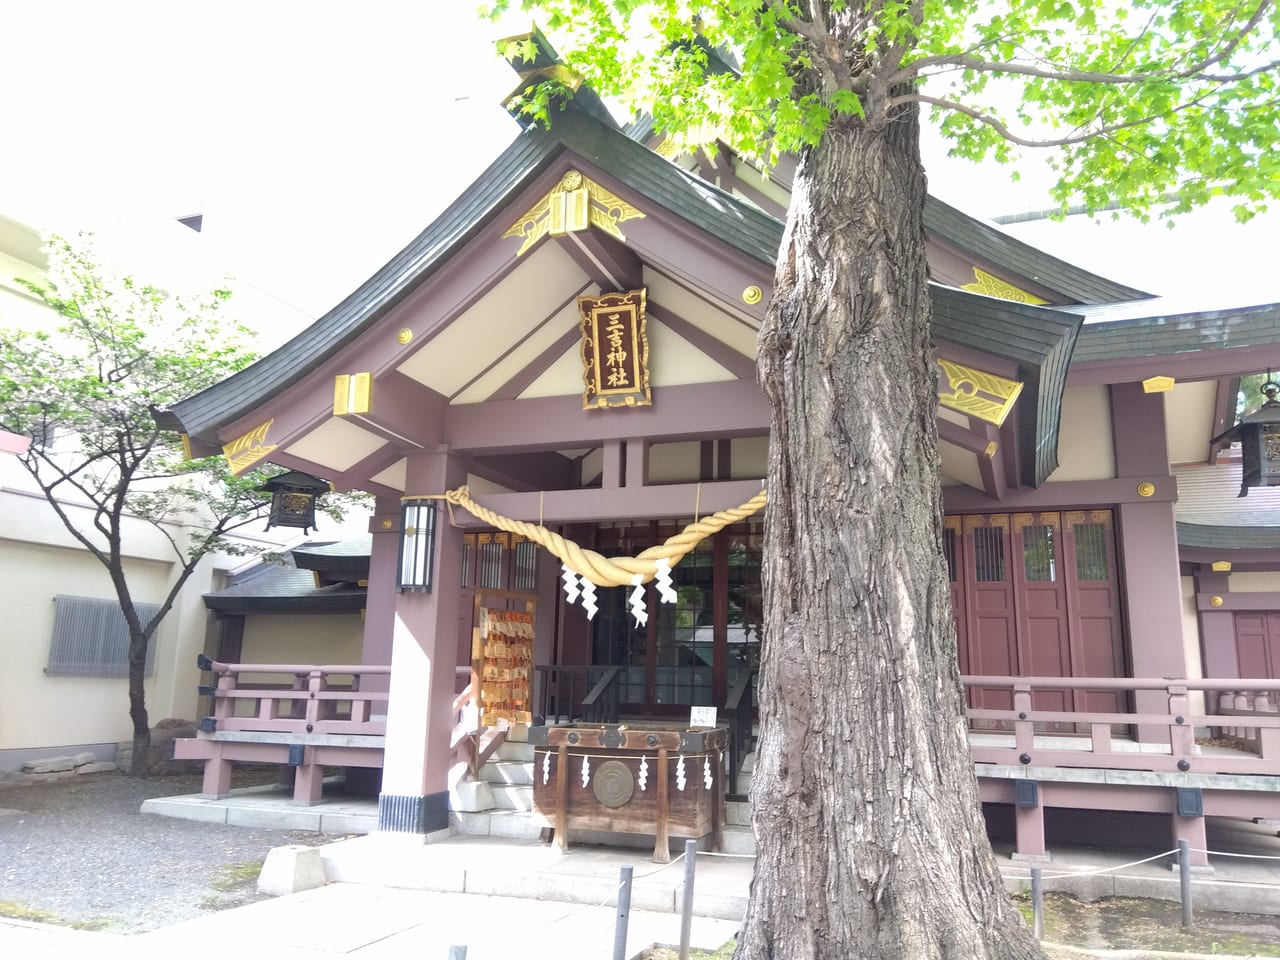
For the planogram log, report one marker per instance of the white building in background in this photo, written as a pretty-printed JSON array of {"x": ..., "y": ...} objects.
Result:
[{"x": 63, "y": 688}]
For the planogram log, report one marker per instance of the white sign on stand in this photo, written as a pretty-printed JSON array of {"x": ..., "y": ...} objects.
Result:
[{"x": 702, "y": 717}]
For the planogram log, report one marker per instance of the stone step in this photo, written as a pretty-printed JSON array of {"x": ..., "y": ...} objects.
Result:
[
  {"x": 739, "y": 840},
  {"x": 508, "y": 796},
  {"x": 514, "y": 751},
  {"x": 512, "y": 824},
  {"x": 737, "y": 813},
  {"x": 507, "y": 771}
]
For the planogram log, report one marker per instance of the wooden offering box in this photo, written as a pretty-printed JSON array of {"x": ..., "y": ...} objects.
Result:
[{"x": 632, "y": 782}]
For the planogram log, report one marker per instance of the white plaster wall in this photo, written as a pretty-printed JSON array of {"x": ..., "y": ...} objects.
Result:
[{"x": 1085, "y": 449}]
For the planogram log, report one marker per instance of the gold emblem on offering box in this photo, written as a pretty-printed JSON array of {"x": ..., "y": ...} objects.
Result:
[{"x": 615, "y": 350}]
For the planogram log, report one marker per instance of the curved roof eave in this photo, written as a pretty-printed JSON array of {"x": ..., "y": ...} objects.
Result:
[{"x": 204, "y": 413}]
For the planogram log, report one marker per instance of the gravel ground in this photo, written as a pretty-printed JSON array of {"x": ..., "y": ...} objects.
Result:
[{"x": 79, "y": 852}]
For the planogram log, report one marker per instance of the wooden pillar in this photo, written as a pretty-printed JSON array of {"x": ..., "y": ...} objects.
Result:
[
  {"x": 1192, "y": 830},
  {"x": 1148, "y": 548},
  {"x": 1217, "y": 628},
  {"x": 720, "y": 619},
  {"x": 1028, "y": 824},
  {"x": 380, "y": 595},
  {"x": 424, "y": 653}
]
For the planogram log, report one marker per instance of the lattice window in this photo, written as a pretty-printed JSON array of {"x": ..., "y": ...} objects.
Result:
[
  {"x": 491, "y": 564},
  {"x": 1037, "y": 554},
  {"x": 525, "y": 557},
  {"x": 988, "y": 554},
  {"x": 1091, "y": 551}
]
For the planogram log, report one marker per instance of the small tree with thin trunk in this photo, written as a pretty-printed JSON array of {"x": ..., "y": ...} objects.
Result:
[
  {"x": 865, "y": 806},
  {"x": 85, "y": 393}
]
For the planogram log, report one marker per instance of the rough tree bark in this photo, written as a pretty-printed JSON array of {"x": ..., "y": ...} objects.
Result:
[{"x": 870, "y": 838}]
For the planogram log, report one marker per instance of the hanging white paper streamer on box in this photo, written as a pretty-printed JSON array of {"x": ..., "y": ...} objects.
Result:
[
  {"x": 663, "y": 578},
  {"x": 589, "y": 598},
  {"x": 570, "y": 585},
  {"x": 706, "y": 772},
  {"x": 546, "y": 766},
  {"x": 643, "y": 776},
  {"x": 638, "y": 609},
  {"x": 680, "y": 781},
  {"x": 586, "y": 771}
]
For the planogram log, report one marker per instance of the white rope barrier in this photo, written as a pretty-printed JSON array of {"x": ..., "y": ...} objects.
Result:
[
  {"x": 1245, "y": 856},
  {"x": 1101, "y": 870}
]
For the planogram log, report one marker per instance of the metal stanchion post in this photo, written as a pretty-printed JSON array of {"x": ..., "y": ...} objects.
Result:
[
  {"x": 1037, "y": 903},
  {"x": 686, "y": 909},
  {"x": 624, "y": 912},
  {"x": 1184, "y": 880}
]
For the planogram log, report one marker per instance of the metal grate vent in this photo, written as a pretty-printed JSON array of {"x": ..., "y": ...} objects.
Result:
[{"x": 91, "y": 638}]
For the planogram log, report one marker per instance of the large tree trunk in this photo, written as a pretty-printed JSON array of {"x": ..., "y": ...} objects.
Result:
[{"x": 870, "y": 838}]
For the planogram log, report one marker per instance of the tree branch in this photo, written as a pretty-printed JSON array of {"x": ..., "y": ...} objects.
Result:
[
  {"x": 963, "y": 61},
  {"x": 1001, "y": 128}
]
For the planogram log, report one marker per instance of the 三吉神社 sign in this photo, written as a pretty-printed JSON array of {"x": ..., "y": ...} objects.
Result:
[{"x": 615, "y": 350}]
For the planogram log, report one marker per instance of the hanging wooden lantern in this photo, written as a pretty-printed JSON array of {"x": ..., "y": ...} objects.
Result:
[
  {"x": 1259, "y": 436},
  {"x": 293, "y": 499}
]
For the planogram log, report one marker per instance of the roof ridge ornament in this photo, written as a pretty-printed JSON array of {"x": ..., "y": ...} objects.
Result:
[{"x": 575, "y": 203}]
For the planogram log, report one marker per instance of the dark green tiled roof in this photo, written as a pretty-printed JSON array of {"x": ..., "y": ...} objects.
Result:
[
  {"x": 1161, "y": 335},
  {"x": 1039, "y": 340},
  {"x": 738, "y": 224},
  {"x": 1224, "y": 537},
  {"x": 990, "y": 242},
  {"x": 280, "y": 589}
]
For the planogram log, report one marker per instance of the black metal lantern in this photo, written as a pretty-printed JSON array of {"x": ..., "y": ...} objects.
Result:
[
  {"x": 417, "y": 544},
  {"x": 1259, "y": 436},
  {"x": 293, "y": 499}
]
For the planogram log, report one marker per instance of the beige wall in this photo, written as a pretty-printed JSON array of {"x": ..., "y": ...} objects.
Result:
[
  {"x": 38, "y": 711},
  {"x": 1263, "y": 582},
  {"x": 302, "y": 638},
  {"x": 1191, "y": 646},
  {"x": 1085, "y": 449}
]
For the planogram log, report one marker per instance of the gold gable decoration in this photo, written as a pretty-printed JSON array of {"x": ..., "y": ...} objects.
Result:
[
  {"x": 573, "y": 205},
  {"x": 352, "y": 393},
  {"x": 615, "y": 350},
  {"x": 247, "y": 449},
  {"x": 976, "y": 392},
  {"x": 992, "y": 286}
]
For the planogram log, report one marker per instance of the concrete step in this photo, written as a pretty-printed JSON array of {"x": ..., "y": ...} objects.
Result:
[
  {"x": 512, "y": 824},
  {"x": 739, "y": 840},
  {"x": 509, "y": 796},
  {"x": 514, "y": 751},
  {"x": 507, "y": 771},
  {"x": 737, "y": 813}
]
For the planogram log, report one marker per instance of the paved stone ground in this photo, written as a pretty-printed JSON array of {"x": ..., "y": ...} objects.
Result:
[{"x": 79, "y": 851}]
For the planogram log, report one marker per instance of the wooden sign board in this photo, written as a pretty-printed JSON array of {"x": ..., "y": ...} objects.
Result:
[{"x": 615, "y": 350}]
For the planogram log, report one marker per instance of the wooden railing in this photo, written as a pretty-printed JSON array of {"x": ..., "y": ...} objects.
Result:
[
  {"x": 324, "y": 699},
  {"x": 1166, "y": 727},
  {"x": 575, "y": 692}
]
